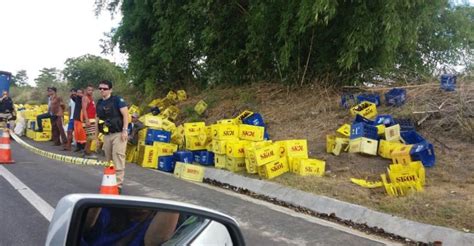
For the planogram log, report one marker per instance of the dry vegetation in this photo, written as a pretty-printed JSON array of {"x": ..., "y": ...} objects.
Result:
[{"x": 312, "y": 112}]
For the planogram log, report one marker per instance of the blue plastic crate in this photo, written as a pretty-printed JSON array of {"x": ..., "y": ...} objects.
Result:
[
  {"x": 385, "y": 119},
  {"x": 405, "y": 124},
  {"x": 448, "y": 82},
  {"x": 150, "y": 136},
  {"x": 184, "y": 156},
  {"x": 161, "y": 136},
  {"x": 363, "y": 130},
  {"x": 373, "y": 98},
  {"x": 359, "y": 118},
  {"x": 348, "y": 100},
  {"x": 197, "y": 156},
  {"x": 266, "y": 136},
  {"x": 254, "y": 119},
  {"x": 166, "y": 163},
  {"x": 395, "y": 97},
  {"x": 412, "y": 137},
  {"x": 423, "y": 152},
  {"x": 207, "y": 158}
]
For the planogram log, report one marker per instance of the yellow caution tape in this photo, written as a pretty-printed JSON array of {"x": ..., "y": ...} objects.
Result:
[
  {"x": 58, "y": 157},
  {"x": 366, "y": 184}
]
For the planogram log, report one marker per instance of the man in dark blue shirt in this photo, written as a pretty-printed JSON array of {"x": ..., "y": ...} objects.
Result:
[{"x": 112, "y": 121}]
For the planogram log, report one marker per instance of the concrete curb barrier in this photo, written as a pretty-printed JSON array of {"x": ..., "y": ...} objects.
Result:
[{"x": 392, "y": 224}]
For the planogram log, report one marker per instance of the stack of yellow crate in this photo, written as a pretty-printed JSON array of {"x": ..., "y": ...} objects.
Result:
[
  {"x": 297, "y": 154},
  {"x": 196, "y": 135},
  {"x": 221, "y": 133}
]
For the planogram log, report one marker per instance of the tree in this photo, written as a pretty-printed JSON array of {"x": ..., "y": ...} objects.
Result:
[
  {"x": 237, "y": 41},
  {"x": 48, "y": 77},
  {"x": 89, "y": 69},
  {"x": 20, "y": 79}
]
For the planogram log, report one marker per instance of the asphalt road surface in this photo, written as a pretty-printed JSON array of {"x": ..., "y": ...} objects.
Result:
[{"x": 262, "y": 223}]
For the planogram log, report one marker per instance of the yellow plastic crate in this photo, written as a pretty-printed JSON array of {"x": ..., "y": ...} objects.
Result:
[
  {"x": 194, "y": 143},
  {"x": 142, "y": 134},
  {"x": 130, "y": 152},
  {"x": 200, "y": 107},
  {"x": 47, "y": 124},
  {"x": 250, "y": 150},
  {"x": 340, "y": 145},
  {"x": 30, "y": 133},
  {"x": 309, "y": 167},
  {"x": 191, "y": 172},
  {"x": 401, "y": 155},
  {"x": 165, "y": 149},
  {"x": 225, "y": 131},
  {"x": 392, "y": 133},
  {"x": 194, "y": 129},
  {"x": 236, "y": 149},
  {"x": 267, "y": 154},
  {"x": 42, "y": 136},
  {"x": 133, "y": 109},
  {"x": 273, "y": 169},
  {"x": 209, "y": 146},
  {"x": 147, "y": 157},
  {"x": 220, "y": 161},
  {"x": 344, "y": 130},
  {"x": 171, "y": 95},
  {"x": 219, "y": 146},
  {"x": 250, "y": 167},
  {"x": 363, "y": 145},
  {"x": 414, "y": 171},
  {"x": 386, "y": 148},
  {"x": 181, "y": 94},
  {"x": 296, "y": 148},
  {"x": 330, "y": 143},
  {"x": 380, "y": 129},
  {"x": 251, "y": 133},
  {"x": 241, "y": 116},
  {"x": 234, "y": 164},
  {"x": 154, "y": 121},
  {"x": 366, "y": 109}
]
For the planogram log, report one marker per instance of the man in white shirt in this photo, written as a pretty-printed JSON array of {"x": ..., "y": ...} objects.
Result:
[{"x": 70, "y": 125}]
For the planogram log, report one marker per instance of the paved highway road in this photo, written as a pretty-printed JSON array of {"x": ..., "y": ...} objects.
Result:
[{"x": 262, "y": 223}]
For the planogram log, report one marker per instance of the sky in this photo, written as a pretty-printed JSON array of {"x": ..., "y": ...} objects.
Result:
[{"x": 44, "y": 33}]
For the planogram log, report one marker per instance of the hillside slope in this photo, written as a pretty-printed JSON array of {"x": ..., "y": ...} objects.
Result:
[{"x": 313, "y": 112}]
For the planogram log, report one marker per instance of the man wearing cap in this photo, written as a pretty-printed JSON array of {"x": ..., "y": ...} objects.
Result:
[
  {"x": 48, "y": 115},
  {"x": 133, "y": 128},
  {"x": 112, "y": 121}
]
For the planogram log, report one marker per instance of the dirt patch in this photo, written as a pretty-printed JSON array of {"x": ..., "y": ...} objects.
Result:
[{"x": 313, "y": 112}]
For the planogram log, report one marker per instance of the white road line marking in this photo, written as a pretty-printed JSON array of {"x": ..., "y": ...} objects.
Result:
[{"x": 41, "y": 205}]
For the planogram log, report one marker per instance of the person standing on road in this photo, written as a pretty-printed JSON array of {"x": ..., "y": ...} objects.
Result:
[
  {"x": 57, "y": 110},
  {"x": 7, "y": 111},
  {"x": 112, "y": 121},
  {"x": 70, "y": 125},
  {"x": 79, "y": 132},
  {"x": 133, "y": 128},
  {"x": 48, "y": 115},
  {"x": 88, "y": 117}
]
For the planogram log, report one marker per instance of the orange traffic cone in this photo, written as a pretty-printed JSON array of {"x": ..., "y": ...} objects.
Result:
[
  {"x": 109, "y": 182},
  {"x": 5, "y": 151}
]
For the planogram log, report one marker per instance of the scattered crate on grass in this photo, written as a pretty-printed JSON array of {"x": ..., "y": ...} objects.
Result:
[{"x": 395, "y": 97}]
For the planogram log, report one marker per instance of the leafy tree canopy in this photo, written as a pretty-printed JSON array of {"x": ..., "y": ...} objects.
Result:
[
  {"x": 90, "y": 69},
  {"x": 172, "y": 41}
]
